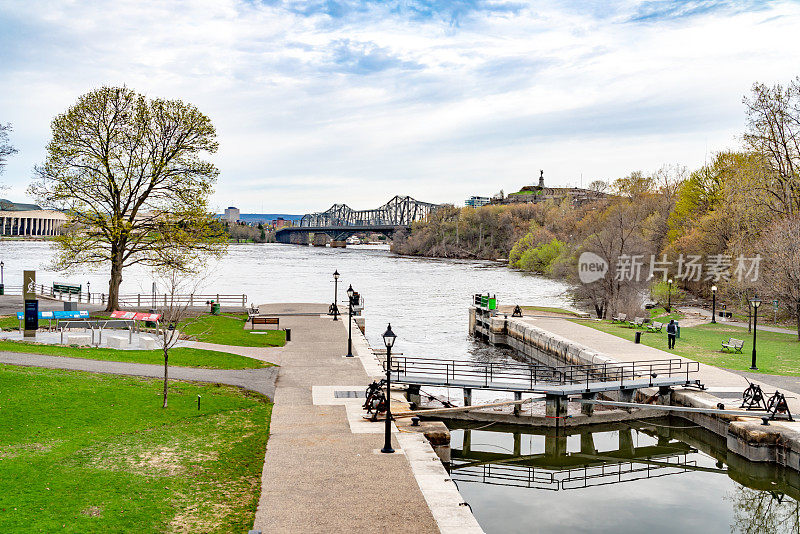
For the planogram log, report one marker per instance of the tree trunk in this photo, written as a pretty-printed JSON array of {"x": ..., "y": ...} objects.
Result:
[
  {"x": 114, "y": 283},
  {"x": 166, "y": 376},
  {"x": 797, "y": 313}
]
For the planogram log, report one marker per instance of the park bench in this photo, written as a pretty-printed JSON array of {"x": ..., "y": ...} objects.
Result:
[
  {"x": 620, "y": 318},
  {"x": 733, "y": 344},
  {"x": 655, "y": 327},
  {"x": 266, "y": 321},
  {"x": 637, "y": 322},
  {"x": 66, "y": 288}
]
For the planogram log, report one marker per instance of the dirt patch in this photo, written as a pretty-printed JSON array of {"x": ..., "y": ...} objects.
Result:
[
  {"x": 92, "y": 511},
  {"x": 12, "y": 451}
]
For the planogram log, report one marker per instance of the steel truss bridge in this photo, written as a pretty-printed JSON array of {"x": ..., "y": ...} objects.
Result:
[{"x": 340, "y": 221}]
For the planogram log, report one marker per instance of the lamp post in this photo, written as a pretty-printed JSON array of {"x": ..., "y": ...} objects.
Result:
[
  {"x": 755, "y": 303},
  {"x": 350, "y": 294},
  {"x": 669, "y": 296},
  {"x": 335, "y": 294},
  {"x": 388, "y": 340},
  {"x": 713, "y": 304},
  {"x": 88, "y": 292},
  {"x": 2, "y": 283}
]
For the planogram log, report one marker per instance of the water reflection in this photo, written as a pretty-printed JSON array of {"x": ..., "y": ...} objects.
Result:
[{"x": 667, "y": 474}]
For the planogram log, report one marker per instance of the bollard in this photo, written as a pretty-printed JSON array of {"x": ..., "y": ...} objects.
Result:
[
  {"x": 198, "y": 402},
  {"x": 288, "y": 334}
]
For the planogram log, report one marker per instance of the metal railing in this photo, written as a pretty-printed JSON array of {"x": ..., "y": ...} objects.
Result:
[
  {"x": 457, "y": 372},
  {"x": 136, "y": 299}
]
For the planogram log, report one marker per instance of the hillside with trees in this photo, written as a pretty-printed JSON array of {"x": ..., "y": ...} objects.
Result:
[{"x": 733, "y": 223}]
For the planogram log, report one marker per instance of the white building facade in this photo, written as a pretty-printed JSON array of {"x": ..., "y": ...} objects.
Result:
[{"x": 29, "y": 220}]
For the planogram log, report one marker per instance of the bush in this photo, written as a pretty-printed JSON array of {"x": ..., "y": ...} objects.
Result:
[{"x": 540, "y": 259}]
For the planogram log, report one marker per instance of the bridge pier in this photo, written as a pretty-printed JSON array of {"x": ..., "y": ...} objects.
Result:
[
  {"x": 555, "y": 406},
  {"x": 588, "y": 409},
  {"x": 517, "y": 407},
  {"x": 320, "y": 240},
  {"x": 587, "y": 443},
  {"x": 335, "y": 243}
]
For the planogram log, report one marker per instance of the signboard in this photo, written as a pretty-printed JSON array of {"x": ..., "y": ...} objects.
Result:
[
  {"x": 31, "y": 304},
  {"x": 135, "y": 316},
  {"x": 29, "y": 285}
]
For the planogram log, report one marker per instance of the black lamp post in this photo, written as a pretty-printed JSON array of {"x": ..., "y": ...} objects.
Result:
[
  {"x": 669, "y": 296},
  {"x": 388, "y": 340},
  {"x": 755, "y": 303},
  {"x": 2, "y": 284},
  {"x": 713, "y": 304},
  {"x": 88, "y": 292},
  {"x": 335, "y": 294},
  {"x": 350, "y": 294}
]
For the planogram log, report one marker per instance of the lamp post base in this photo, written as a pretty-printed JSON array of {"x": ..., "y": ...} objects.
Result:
[
  {"x": 753, "y": 368},
  {"x": 387, "y": 450}
]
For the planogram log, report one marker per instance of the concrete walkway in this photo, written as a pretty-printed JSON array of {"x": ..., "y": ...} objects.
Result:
[
  {"x": 318, "y": 475},
  {"x": 626, "y": 351}
]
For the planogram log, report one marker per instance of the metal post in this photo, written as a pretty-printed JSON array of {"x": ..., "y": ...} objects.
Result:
[
  {"x": 335, "y": 299},
  {"x": 755, "y": 322},
  {"x": 714, "y": 305},
  {"x": 350, "y": 328},
  {"x": 387, "y": 431}
]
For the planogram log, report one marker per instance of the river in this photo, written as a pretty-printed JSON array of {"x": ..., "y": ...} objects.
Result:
[{"x": 426, "y": 300}]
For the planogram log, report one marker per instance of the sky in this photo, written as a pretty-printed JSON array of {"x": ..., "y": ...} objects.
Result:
[{"x": 344, "y": 101}]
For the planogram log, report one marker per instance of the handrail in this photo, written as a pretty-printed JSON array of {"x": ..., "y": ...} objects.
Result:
[{"x": 451, "y": 371}]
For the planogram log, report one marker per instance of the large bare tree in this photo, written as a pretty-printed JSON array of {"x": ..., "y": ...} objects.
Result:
[
  {"x": 780, "y": 270},
  {"x": 773, "y": 120},
  {"x": 129, "y": 173}
]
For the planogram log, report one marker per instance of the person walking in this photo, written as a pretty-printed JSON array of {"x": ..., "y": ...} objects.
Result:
[{"x": 672, "y": 332}]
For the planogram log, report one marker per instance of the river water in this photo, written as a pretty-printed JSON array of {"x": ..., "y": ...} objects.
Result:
[{"x": 426, "y": 300}]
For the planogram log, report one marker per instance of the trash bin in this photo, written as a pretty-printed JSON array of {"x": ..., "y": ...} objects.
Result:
[
  {"x": 288, "y": 334},
  {"x": 638, "y": 337},
  {"x": 677, "y": 331},
  {"x": 150, "y": 324},
  {"x": 214, "y": 308}
]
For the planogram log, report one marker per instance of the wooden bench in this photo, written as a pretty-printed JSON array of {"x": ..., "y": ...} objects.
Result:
[
  {"x": 655, "y": 327},
  {"x": 266, "y": 321},
  {"x": 619, "y": 318},
  {"x": 637, "y": 322},
  {"x": 733, "y": 344}
]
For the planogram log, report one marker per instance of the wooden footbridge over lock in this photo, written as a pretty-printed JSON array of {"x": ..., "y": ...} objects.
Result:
[{"x": 556, "y": 383}]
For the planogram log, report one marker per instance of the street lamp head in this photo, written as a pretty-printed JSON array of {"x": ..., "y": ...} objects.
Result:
[
  {"x": 670, "y": 280},
  {"x": 389, "y": 337},
  {"x": 350, "y": 291},
  {"x": 336, "y": 274},
  {"x": 714, "y": 289},
  {"x": 756, "y": 302}
]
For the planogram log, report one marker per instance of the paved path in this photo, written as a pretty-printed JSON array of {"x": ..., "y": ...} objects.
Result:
[
  {"x": 318, "y": 475},
  {"x": 707, "y": 314},
  {"x": 259, "y": 380},
  {"x": 626, "y": 351}
]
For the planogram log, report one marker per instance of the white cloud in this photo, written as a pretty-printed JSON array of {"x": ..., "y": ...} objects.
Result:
[{"x": 439, "y": 100}]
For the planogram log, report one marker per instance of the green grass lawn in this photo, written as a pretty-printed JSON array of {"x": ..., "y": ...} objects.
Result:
[
  {"x": 179, "y": 356},
  {"x": 777, "y": 354},
  {"x": 229, "y": 329},
  {"x": 550, "y": 309},
  {"x": 82, "y": 452}
]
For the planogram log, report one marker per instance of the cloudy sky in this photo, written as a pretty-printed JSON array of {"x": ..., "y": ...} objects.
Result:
[{"x": 351, "y": 101}]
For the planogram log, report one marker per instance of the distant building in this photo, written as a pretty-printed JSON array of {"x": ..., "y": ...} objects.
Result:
[
  {"x": 541, "y": 193},
  {"x": 28, "y": 219},
  {"x": 280, "y": 222},
  {"x": 477, "y": 202},
  {"x": 231, "y": 214}
]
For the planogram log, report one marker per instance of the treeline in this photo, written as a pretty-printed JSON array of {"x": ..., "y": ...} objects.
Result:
[
  {"x": 733, "y": 223},
  {"x": 240, "y": 232}
]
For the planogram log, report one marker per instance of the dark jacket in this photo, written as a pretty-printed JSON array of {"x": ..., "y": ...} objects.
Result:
[{"x": 672, "y": 328}]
